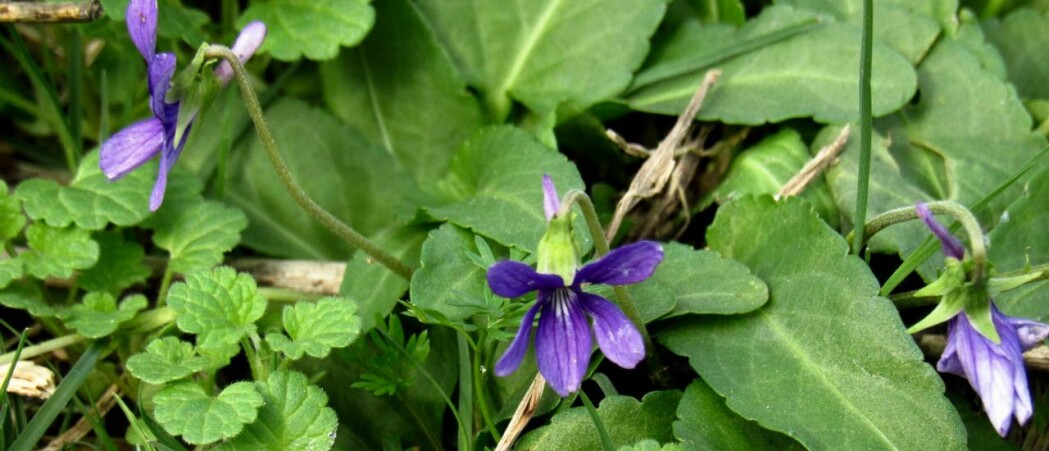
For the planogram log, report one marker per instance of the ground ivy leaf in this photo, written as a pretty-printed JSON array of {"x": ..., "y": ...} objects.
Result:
[
  {"x": 825, "y": 360},
  {"x": 626, "y": 419},
  {"x": 119, "y": 265},
  {"x": 220, "y": 306},
  {"x": 91, "y": 201},
  {"x": 374, "y": 287},
  {"x": 310, "y": 28},
  {"x": 377, "y": 90},
  {"x": 1017, "y": 37},
  {"x": 56, "y": 252},
  {"x": 495, "y": 181},
  {"x": 184, "y": 409},
  {"x": 26, "y": 295},
  {"x": 10, "y": 271},
  {"x": 98, "y": 314},
  {"x": 198, "y": 238},
  {"x": 705, "y": 422},
  {"x": 11, "y": 218},
  {"x": 295, "y": 416},
  {"x": 315, "y": 328},
  {"x": 812, "y": 73},
  {"x": 519, "y": 49},
  {"x": 702, "y": 281},
  {"x": 165, "y": 360},
  {"x": 1018, "y": 241},
  {"x": 447, "y": 281}
]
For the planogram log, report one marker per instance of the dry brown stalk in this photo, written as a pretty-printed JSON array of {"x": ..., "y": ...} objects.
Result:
[
  {"x": 819, "y": 163},
  {"x": 38, "y": 12},
  {"x": 523, "y": 414},
  {"x": 83, "y": 426}
]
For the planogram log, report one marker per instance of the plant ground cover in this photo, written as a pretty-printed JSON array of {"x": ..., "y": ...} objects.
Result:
[{"x": 545, "y": 224}]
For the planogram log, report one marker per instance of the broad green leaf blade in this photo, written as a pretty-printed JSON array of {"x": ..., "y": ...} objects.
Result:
[
  {"x": 826, "y": 360},
  {"x": 220, "y": 306},
  {"x": 26, "y": 295},
  {"x": 811, "y": 73},
  {"x": 56, "y": 252},
  {"x": 701, "y": 281},
  {"x": 316, "y": 328},
  {"x": 1020, "y": 38},
  {"x": 119, "y": 265},
  {"x": 165, "y": 360},
  {"x": 353, "y": 179},
  {"x": 10, "y": 270},
  {"x": 184, "y": 409},
  {"x": 626, "y": 419},
  {"x": 495, "y": 182},
  {"x": 374, "y": 287},
  {"x": 295, "y": 415},
  {"x": 705, "y": 422},
  {"x": 98, "y": 314},
  {"x": 11, "y": 218},
  {"x": 448, "y": 282},
  {"x": 314, "y": 29},
  {"x": 199, "y": 235},
  {"x": 90, "y": 200},
  {"x": 1020, "y": 240},
  {"x": 400, "y": 89},
  {"x": 544, "y": 52}
]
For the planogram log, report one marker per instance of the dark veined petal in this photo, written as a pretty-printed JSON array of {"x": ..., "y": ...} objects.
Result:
[
  {"x": 550, "y": 201},
  {"x": 952, "y": 247},
  {"x": 511, "y": 279},
  {"x": 511, "y": 359},
  {"x": 616, "y": 335},
  {"x": 161, "y": 69},
  {"x": 248, "y": 42},
  {"x": 625, "y": 265},
  {"x": 141, "y": 20},
  {"x": 131, "y": 147},
  {"x": 562, "y": 343}
]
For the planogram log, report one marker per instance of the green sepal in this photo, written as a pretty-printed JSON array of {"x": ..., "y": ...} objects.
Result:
[
  {"x": 194, "y": 89},
  {"x": 950, "y": 305},
  {"x": 997, "y": 285},
  {"x": 952, "y": 278},
  {"x": 978, "y": 309},
  {"x": 557, "y": 252}
]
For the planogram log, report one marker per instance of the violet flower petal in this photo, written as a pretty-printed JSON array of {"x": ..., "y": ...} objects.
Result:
[
  {"x": 511, "y": 359},
  {"x": 248, "y": 42},
  {"x": 625, "y": 265},
  {"x": 161, "y": 69},
  {"x": 141, "y": 18},
  {"x": 131, "y": 147},
  {"x": 1030, "y": 333},
  {"x": 952, "y": 247},
  {"x": 511, "y": 279},
  {"x": 562, "y": 342},
  {"x": 551, "y": 204},
  {"x": 616, "y": 335},
  {"x": 168, "y": 156}
]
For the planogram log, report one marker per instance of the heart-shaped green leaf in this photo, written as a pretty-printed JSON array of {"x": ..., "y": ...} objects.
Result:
[
  {"x": 315, "y": 328},
  {"x": 295, "y": 416},
  {"x": 184, "y": 409},
  {"x": 165, "y": 360},
  {"x": 220, "y": 306},
  {"x": 314, "y": 29}
]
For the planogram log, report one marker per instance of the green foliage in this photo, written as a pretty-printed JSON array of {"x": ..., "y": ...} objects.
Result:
[
  {"x": 626, "y": 419},
  {"x": 56, "y": 252},
  {"x": 1013, "y": 247},
  {"x": 1021, "y": 38},
  {"x": 294, "y": 415},
  {"x": 705, "y": 422},
  {"x": 10, "y": 271},
  {"x": 316, "y": 328},
  {"x": 220, "y": 306},
  {"x": 448, "y": 282},
  {"x": 11, "y": 218},
  {"x": 185, "y": 409},
  {"x": 119, "y": 265},
  {"x": 26, "y": 295},
  {"x": 199, "y": 235},
  {"x": 845, "y": 373},
  {"x": 701, "y": 281},
  {"x": 311, "y": 29},
  {"x": 98, "y": 314},
  {"x": 375, "y": 288},
  {"x": 390, "y": 369},
  {"x": 165, "y": 360}
]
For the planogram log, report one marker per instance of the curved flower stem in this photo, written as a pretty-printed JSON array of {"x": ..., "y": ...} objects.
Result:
[
  {"x": 959, "y": 212},
  {"x": 318, "y": 213},
  {"x": 864, "y": 170}
]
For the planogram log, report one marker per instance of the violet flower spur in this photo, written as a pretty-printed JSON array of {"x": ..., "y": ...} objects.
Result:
[
  {"x": 562, "y": 341},
  {"x": 995, "y": 370},
  {"x": 138, "y": 142}
]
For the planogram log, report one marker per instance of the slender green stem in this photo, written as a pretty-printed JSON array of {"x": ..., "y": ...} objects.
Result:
[
  {"x": 15, "y": 357},
  {"x": 17, "y": 101},
  {"x": 602, "y": 432},
  {"x": 482, "y": 399},
  {"x": 285, "y": 295},
  {"x": 318, "y": 213},
  {"x": 410, "y": 408},
  {"x": 466, "y": 395},
  {"x": 258, "y": 370},
  {"x": 866, "y": 123},
  {"x": 165, "y": 284},
  {"x": 909, "y": 300},
  {"x": 959, "y": 212},
  {"x": 44, "y": 347}
]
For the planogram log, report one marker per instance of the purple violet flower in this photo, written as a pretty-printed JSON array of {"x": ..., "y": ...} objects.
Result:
[
  {"x": 562, "y": 341},
  {"x": 995, "y": 370},
  {"x": 138, "y": 142}
]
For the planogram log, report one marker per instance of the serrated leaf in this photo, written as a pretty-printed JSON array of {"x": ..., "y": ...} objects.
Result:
[
  {"x": 295, "y": 416},
  {"x": 98, "y": 315},
  {"x": 90, "y": 201},
  {"x": 626, "y": 419},
  {"x": 56, "y": 252},
  {"x": 701, "y": 281},
  {"x": 200, "y": 235},
  {"x": 10, "y": 270},
  {"x": 315, "y": 328},
  {"x": 364, "y": 187},
  {"x": 11, "y": 218},
  {"x": 495, "y": 184},
  {"x": 813, "y": 72},
  {"x": 119, "y": 265},
  {"x": 1018, "y": 37},
  {"x": 220, "y": 306},
  {"x": 447, "y": 281},
  {"x": 825, "y": 360},
  {"x": 375, "y": 288},
  {"x": 26, "y": 295},
  {"x": 184, "y": 409},
  {"x": 310, "y": 28},
  {"x": 377, "y": 90},
  {"x": 165, "y": 360},
  {"x": 545, "y": 52},
  {"x": 705, "y": 422}
]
